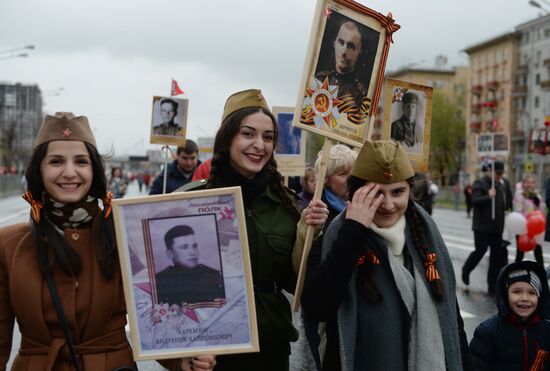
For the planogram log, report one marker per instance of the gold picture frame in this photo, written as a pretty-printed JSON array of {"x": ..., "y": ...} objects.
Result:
[
  {"x": 339, "y": 92},
  {"x": 169, "y": 121},
  {"x": 186, "y": 273},
  {"x": 408, "y": 118}
]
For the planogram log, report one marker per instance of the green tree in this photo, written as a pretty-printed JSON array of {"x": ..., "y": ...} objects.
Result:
[{"x": 447, "y": 138}]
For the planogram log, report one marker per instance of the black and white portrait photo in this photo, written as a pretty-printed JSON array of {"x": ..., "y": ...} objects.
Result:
[
  {"x": 407, "y": 125},
  {"x": 168, "y": 123}
]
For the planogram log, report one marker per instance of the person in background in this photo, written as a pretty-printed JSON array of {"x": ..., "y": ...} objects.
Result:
[
  {"x": 526, "y": 200},
  {"x": 308, "y": 182},
  {"x": 243, "y": 156},
  {"x": 422, "y": 192},
  {"x": 180, "y": 171},
  {"x": 488, "y": 230},
  {"x": 518, "y": 336},
  {"x": 339, "y": 164},
  {"x": 118, "y": 183},
  {"x": 468, "y": 198},
  {"x": 386, "y": 283},
  {"x": 67, "y": 251}
]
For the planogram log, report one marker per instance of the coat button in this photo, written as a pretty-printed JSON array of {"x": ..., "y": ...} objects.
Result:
[{"x": 75, "y": 237}]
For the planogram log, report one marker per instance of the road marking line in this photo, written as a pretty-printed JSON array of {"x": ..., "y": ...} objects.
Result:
[
  {"x": 19, "y": 213},
  {"x": 467, "y": 315}
]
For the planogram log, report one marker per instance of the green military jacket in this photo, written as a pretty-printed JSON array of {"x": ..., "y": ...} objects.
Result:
[{"x": 271, "y": 235}]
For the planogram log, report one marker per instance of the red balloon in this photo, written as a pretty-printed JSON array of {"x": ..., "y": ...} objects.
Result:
[
  {"x": 526, "y": 243},
  {"x": 535, "y": 224},
  {"x": 536, "y": 212}
]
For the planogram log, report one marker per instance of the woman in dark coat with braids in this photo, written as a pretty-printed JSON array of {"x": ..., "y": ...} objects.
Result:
[
  {"x": 243, "y": 156},
  {"x": 386, "y": 276}
]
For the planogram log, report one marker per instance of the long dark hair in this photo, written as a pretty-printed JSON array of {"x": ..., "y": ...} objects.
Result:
[
  {"x": 52, "y": 247},
  {"x": 367, "y": 285},
  {"x": 224, "y": 137}
]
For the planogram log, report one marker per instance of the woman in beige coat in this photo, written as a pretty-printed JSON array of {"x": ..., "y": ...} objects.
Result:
[{"x": 70, "y": 239}]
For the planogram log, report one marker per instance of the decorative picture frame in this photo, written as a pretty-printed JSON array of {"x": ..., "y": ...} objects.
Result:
[
  {"x": 339, "y": 93},
  {"x": 290, "y": 152},
  {"x": 408, "y": 118},
  {"x": 169, "y": 120},
  {"x": 538, "y": 141},
  {"x": 186, "y": 273},
  {"x": 493, "y": 144}
]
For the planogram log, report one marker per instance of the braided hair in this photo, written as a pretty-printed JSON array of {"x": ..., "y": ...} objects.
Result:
[
  {"x": 224, "y": 138},
  {"x": 52, "y": 248},
  {"x": 365, "y": 282}
]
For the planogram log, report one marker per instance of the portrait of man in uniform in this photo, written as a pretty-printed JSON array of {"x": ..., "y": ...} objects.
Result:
[
  {"x": 168, "y": 113},
  {"x": 289, "y": 137},
  {"x": 346, "y": 59},
  {"x": 407, "y": 129},
  {"x": 187, "y": 281}
]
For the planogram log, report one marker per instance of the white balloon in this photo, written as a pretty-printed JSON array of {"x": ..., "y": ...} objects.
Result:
[{"x": 515, "y": 223}]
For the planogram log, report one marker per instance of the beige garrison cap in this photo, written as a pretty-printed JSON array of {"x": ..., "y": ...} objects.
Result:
[
  {"x": 244, "y": 99},
  {"x": 64, "y": 126},
  {"x": 382, "y": 162}
]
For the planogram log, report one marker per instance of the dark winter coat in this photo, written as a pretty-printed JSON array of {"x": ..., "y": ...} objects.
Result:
[
  {"x": 482, "y": 220},
  {"x": 504, "y": 342},
  {"x": 174, "y": 179}
]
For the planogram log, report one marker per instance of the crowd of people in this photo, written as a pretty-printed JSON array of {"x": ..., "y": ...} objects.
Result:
[{"x": 379, "y": 292}]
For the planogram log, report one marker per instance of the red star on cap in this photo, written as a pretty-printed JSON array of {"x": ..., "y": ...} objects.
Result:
[
  {"x": 388, "y": 175},
  {"x": 67, "y": 132}
]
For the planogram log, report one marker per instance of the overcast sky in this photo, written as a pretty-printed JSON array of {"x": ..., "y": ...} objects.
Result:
[{"x": 111, "y": 57}]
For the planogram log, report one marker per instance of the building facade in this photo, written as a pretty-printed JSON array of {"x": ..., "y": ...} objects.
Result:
[
  {"x": 490, "y": 97},
  {"x": 532, "y": 87},
  {"x": 20, "y": 119}
]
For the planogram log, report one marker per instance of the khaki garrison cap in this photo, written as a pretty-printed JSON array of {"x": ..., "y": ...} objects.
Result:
[
  {"x": 382, "y": 162},
  {"x": 244, "y": 99},
  {"x": 64, "y": 126}
]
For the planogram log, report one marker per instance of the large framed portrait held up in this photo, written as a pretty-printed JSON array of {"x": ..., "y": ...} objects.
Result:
[
  {"x": 186, "y": 273},
  {"x": 408, "y": 118},
  {"x": 169, "y": 120},
  {"x": 290, "y": 152},
  {"x": 344, "y": 70}
]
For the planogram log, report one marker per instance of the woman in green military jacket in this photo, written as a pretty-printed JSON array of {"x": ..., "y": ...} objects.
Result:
[{"x": 243, "y": 156}]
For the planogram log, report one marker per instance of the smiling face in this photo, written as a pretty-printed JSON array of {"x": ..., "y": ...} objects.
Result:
[
  {"x": 522, "y": 299},
  {"x": 66, "y": 171},
  {"x": 184, "y": 251},
  {"x": 394, "y": 204},
  {"x": 347, "y": 47},
  {"x": 252, "y": 147}
]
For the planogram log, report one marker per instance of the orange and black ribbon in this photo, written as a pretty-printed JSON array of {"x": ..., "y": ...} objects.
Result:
[
  {"x": 431, "y": 270},
  {"x": 371, "y": 256},
  {"x": 540, "y": 359},
  {"x": 107, "y": 204},
  {"x": 36, "y": 206}
]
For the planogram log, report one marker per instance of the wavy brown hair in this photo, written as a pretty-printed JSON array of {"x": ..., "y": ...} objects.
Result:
[{"x": 224, "y": 137}]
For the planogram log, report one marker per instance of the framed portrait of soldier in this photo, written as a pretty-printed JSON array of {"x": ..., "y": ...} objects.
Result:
[
  {"x": 290, "y": 152},
  {"x": 501, "y": 144},
  {"x": 169, "y": 120},
  {"x": 485, "y": 145},
  {"x": 407, "y": 119},
  {"x": 343, "y": 71},
  {"x": 538, "y": 141},
  {"x": 186, "y": 274}
]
